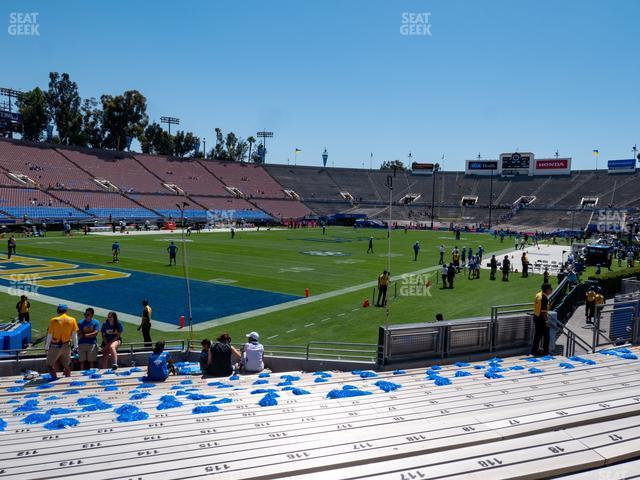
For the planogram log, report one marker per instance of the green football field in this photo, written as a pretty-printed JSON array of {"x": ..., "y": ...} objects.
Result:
[{"x": 289, "y": 261}]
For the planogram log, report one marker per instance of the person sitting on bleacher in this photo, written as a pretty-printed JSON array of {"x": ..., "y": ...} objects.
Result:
[
  {"x": 160, "y": 364},
  {"x": 204, "y": 355},
  {"x": 252, "y": 354},
  {"x": 220, "y": 356},
  {"x": 111, "y": 339}
]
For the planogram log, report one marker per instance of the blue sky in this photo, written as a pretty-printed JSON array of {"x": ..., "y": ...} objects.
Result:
[{"x": 493, "y": 76}]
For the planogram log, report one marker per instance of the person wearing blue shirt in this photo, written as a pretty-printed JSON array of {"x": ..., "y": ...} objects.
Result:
[
  {"x": 88, "y": 331},
  {"x": 115, "y": 251},
  {"x": 160, "y": 364},
  {"x": 204, "y": 354},
  {"x": 173, "y": 250},
  {"x": 416, "y": 251}
]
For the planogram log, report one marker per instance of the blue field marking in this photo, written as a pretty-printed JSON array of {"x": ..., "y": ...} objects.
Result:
[{"x": 166, "y": 294}]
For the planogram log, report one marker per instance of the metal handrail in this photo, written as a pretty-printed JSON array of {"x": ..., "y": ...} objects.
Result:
[{"x": 40, "y": 351}]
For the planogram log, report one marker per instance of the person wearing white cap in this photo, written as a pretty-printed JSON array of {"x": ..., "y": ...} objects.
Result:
[{"x": 253, "y": 353}]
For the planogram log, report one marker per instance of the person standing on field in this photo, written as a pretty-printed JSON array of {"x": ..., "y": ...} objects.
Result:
[{"x": 173, "y": 250}]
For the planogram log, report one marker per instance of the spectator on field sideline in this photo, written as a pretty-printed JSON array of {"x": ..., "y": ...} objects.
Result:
[
  {"x": 111, "y": 340},
  {"x": 23, "y": 308},
  {"x": 11, "y": 247},
  {"x": 416, "y": 251},
  {"x": 506, "y": 268},
  {"x": 87, "y": 344},
  {"x": 444, "y": 273},
  {"x": 252, "y": 354},
  {"x": 383, "y": 283},
  {"x": 62, "y": 330},
  {"x": 442, "y": 252},
  {"x": 493, "y": 264},
  {"x": 173, "y": 250}
]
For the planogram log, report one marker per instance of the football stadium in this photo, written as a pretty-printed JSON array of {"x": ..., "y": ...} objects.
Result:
[{"x": 346, "y": 288}]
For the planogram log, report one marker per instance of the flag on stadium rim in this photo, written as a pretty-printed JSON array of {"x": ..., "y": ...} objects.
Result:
[
  {"x": 297, "y": 150},
  {"x": 596, "y": 152}
]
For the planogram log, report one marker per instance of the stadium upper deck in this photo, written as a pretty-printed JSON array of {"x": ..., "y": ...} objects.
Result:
[{"x": 84, "y": 183}]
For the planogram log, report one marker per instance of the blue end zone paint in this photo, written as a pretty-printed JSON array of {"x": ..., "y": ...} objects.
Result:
[{"x": 166, "y": 295}]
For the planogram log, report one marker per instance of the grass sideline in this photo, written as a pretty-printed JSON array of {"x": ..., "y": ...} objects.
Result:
[{"x": 275, "y": 261}]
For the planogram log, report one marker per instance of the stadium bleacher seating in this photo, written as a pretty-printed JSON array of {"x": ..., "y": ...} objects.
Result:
[
  {"x": 187, "y": 174},
  {"x": 73, "y": 173},
  {"x": 166, "y": 205},
  {"x": 252, "y": 180},
  {"x": 503, "y": 418},
  {"x": 120, "y": 168},
  {"x": 105, "y": 204},
  {"x": 42, "y": 164},
  {"x": 35, "y": 204}
]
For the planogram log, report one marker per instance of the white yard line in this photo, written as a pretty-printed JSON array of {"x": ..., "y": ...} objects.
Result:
[
  {"x": 292, "y": 330},
  {"x": 309, "y": 325},
  {"x": 314, "y": 298},
  {"x": 271, "y": 337}
]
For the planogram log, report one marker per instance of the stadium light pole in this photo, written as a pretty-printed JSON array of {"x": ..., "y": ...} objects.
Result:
[
  {"x": 490, "y": 197},
  {"x": 170, "y": 121},
  {"x": 185, "y": 268},
  {"x": 390, "y": 187},
  {"x": 264, "y": 135},
  {"x": 436, "y": 168}
]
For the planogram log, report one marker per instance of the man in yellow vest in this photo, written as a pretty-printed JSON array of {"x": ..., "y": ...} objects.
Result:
[
  {"x": 383, "y": 283},
  {"x": 62, "y": 330},
  {"x": 599, "y": 303},
  {"x": 590, "y": 305},
  {"x": 541, "y": 320}
]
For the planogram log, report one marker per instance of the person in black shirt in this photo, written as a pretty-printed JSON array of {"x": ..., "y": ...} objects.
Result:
[
  {"x": 451, "y": 273},
  {"x": 506, "y": 268},
  {"x": 220, "y": 356},
  {"x": 494, "y": 267}
]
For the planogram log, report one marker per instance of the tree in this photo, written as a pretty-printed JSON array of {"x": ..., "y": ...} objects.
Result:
[
  {"x": 92, "y": 133},
  {"x": 155, "y": 140},
  {"x": 184, "y": 143},
  {"x": 251, "y": 140},
  {"x": 35, "y": 117},
  {"x": 392, "y": 164},
  {"x": 218, "y": 151},
  {"x": 63, "y": 101},
  {"x": 123, "y": 116}
]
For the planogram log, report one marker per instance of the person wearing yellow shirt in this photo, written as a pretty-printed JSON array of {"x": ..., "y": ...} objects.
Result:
[
  {"x": 541, "y": 320},
  {"x": 599, "y": 303},
  {"x": 590, "y": 305},
  {"x": 62, "y": 330},
  {"x": 383, "y": 283},
  {"x": 23, "y": 307}
]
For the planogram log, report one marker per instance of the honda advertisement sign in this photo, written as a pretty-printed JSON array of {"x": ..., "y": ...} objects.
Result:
[{"x": 552, "y": 166}]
